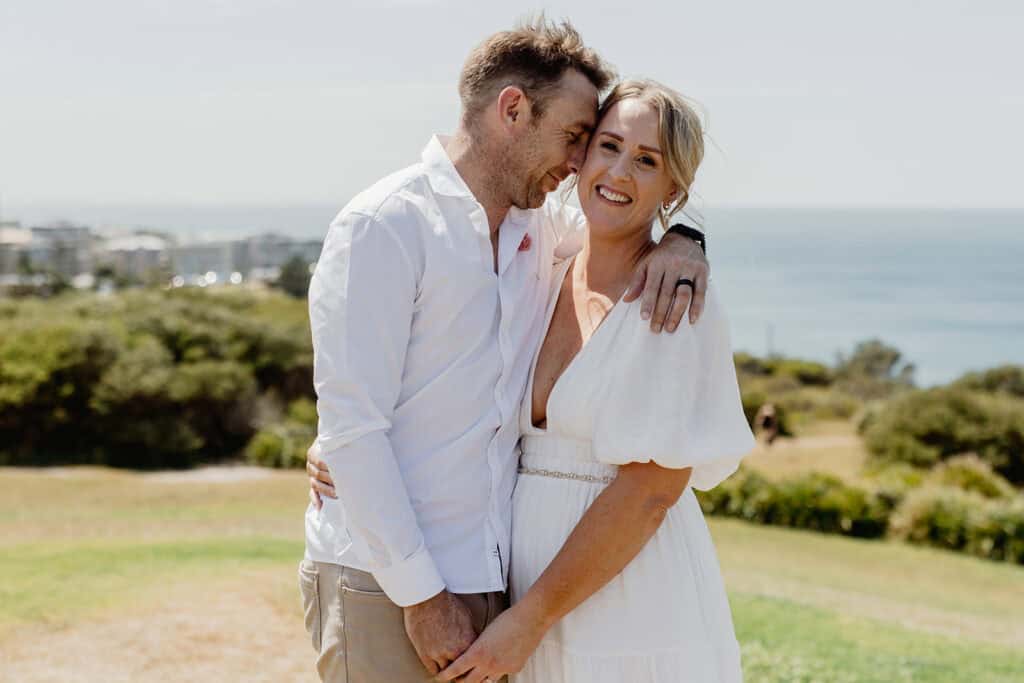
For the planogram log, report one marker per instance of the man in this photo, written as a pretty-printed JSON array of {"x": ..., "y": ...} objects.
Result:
[{"x": 426, "y": 307}]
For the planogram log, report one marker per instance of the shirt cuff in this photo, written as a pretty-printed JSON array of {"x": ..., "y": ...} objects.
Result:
[{"x": 412, "y": 580}]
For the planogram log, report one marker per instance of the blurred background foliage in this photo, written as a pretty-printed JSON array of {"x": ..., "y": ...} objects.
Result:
[
  {"x": 151, "y": 378},
  {"x": 147, "y": 378}
]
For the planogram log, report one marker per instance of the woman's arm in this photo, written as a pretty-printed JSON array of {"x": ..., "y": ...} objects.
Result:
[{"x": 609, "y": 535}]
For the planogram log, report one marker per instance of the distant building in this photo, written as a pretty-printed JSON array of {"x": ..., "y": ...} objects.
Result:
[
  {"x": 260, "y": 255},
  {"x": 14, "y": 241},
  {"x": 203, "y": 263},
  {"x": 63, "y": 248},
  {"x": 76, "y": 253},
  {"x": 138, "y": 255}
]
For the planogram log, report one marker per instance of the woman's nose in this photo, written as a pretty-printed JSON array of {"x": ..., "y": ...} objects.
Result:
[{"x": 620, "y": 169}]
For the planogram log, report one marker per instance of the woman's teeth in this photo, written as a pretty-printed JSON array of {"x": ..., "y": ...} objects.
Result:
[{"x": 613, "y": 196}]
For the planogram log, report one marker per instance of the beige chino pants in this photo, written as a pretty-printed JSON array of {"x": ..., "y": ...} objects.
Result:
[{"x": 359, "y": 634}]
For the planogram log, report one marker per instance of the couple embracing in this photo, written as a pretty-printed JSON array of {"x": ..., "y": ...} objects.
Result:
[{"x": 510, "y": 398}]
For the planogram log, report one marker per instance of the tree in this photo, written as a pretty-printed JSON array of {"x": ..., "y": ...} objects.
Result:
[
  {"x": 294, "y": 277},
  {"x": 874, "y": 359}
]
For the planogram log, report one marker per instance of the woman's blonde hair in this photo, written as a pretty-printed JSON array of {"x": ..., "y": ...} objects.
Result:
[{"x": 680, "y": 133}]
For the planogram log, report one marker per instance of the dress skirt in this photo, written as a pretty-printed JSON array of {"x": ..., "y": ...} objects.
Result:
[{"x": 664, "y": 619}]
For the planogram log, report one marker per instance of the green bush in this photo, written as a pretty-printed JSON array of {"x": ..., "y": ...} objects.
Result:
[
  {"x": 283, "y": 442},
  {"x": 807, "y": 373},
  {"x": 146, "y": 378},
  {"x": 971, "y": 473},
  {"x": 1007, "y": 379},
  {"x": 891, "y": 481},
  {"x": 959, "y": 520},
  {"x": 747, "y": 364},
  {"x": 804, "y": 372},
  {"x": 281, "y": 446},
  {"x": 943, "y": 517},
  {"x": 813, "y": 501},
  {"x": 927, "y": 426},
  {"x": 303, "y": 411},
  {"x": 819, "y": 403}
]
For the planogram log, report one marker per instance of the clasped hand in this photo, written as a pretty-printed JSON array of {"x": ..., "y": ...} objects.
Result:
[{"x": 501, "y": 649}]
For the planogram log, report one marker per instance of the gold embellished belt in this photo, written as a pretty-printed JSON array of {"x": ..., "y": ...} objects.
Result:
[{"x": 575, "y": 476}]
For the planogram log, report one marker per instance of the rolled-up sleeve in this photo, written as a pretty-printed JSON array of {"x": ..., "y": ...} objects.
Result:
[{"x": 361, "y": 303}]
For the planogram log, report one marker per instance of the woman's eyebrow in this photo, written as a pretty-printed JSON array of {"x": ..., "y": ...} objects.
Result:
[{"x": 621, "y": 139}]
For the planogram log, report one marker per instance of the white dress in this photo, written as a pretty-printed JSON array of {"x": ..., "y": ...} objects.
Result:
[{"x": 633, "y": 396}]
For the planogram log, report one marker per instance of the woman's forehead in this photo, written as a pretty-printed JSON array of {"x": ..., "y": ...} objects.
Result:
[{"x": 632, "y": 116}]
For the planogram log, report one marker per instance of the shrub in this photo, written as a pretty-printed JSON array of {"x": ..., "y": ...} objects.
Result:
[
  {"x": 283, "y": 442},
  {"x": 892, "y": 481},
  {"x": 146, "y": 378},
  {"x": 971, "y": 473},
  {"x": 924, "y": 427},
  {"x": 303, "y": 411},
  {"x": 1007, "y": 379},
  {"x": 943, "y": 517},
  {"x": 281, "y": 446},
  {"x": 48, "y": 372},
  {"x": 807, "y": 373},
  {"x": 953, "y": 519},
  {"x": 747, "y": 364},
  {"x": 813, "y": 501},
  {"x": 819, "y": 403}
]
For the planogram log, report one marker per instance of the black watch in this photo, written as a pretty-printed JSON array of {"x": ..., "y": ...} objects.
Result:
[{"x": 691, "y": 233}]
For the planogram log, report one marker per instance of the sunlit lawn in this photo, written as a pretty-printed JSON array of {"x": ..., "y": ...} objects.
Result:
[{"x": 93, "y": 544}]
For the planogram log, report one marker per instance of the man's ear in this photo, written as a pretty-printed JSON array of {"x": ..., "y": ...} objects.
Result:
[{"x": 513, "y": 108}]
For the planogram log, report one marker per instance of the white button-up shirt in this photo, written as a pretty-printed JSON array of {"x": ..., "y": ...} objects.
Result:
[{"x": 421, "y": 355}]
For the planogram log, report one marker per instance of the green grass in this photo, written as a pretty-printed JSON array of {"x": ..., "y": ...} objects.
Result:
[
  {"x": 57, "y": 582},
  {"x": 785, "y": 642},
  {"x": 808, "y": 608}
]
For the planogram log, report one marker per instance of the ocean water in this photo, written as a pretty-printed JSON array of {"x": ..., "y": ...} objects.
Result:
[{"x": 944, "y": 287}]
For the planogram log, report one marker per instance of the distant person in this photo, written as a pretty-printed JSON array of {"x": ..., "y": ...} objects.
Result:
[
  {"x": 427, "y": 308},
  {"x": 767, "y": 423}
]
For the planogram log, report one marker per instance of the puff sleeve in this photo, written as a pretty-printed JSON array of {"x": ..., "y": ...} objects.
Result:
[{"x": 673, "y": 399}]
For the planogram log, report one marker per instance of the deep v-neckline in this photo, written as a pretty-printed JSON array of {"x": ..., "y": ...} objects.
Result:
[{"x": 552, "y": 305}]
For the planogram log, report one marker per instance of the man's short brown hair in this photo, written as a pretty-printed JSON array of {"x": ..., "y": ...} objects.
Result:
[{"x": 533, "y": 57}]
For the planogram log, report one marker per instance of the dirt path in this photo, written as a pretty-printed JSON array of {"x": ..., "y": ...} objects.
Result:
[
  {"x": 842, "y": 454},
  {"x": 247, "y": 629}
]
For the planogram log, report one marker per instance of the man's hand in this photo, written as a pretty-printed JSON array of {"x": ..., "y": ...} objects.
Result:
[
  {"x": 320, "y": 482},
  {"x": 663, "y": 302},
  {"x": 440, "y": 629},
  {"x": 501, "y": 649}
]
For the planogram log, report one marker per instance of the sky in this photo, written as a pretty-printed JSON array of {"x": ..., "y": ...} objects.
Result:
[{"x": 809, "y": 104}]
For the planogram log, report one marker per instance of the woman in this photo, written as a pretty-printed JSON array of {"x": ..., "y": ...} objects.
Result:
[{"x": 614, "y": 575}]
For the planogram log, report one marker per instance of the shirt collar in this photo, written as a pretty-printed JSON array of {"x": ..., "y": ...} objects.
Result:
[{"x": 441, "y": 171}]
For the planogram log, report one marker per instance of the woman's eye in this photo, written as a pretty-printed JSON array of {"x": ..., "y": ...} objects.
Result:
[
  {"x": 610, "y": 146},
  {"x": 648, "y": 161}
]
